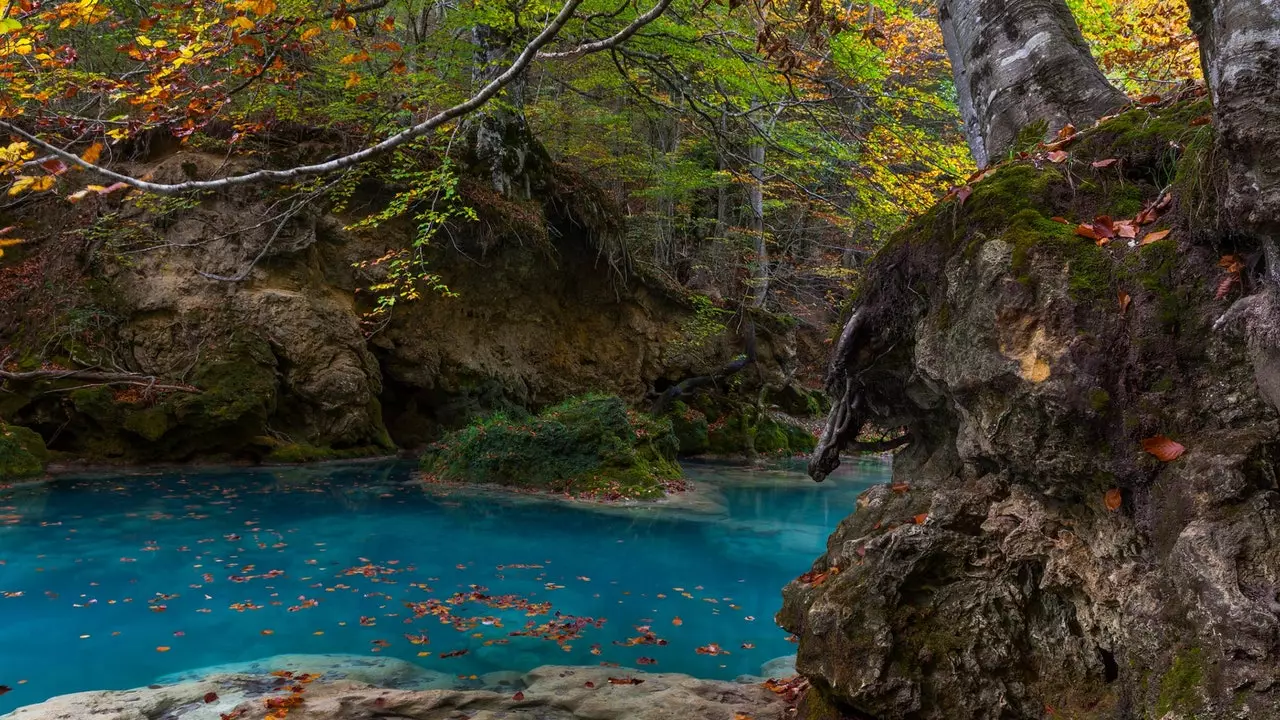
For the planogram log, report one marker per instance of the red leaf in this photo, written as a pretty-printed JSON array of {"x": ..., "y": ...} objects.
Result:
[
  {"x": 454, "y": 653},
  {"x": 1057, "y": 156},
  {"x": 963, "y": 193},
  {"x": 1155, "y": 237},
  {"x": 625, "y": 681},
  {"x": 1202, "y": 120},
  {"x": 5, "y": 689},
  {"x": 1148, "y": 99},
  {"x": 1103, "y": 226},
  {"x": 1126, "y": 229},
  {"x": 1163, "y": 448},
  {"x": 7, "y": 230},
  {"x": 210, "y": 698},
  {"x": 588, "y": 684},
  {"x": 1104, "y": 163},
  {"x": 518, "y": 696},
  {"x": 1112, "y": 499},
  {"x": 646, "y": 661},
  {"x": 899, "y": 487},
  {"x": 54, "y": 166},
  {"x": 1060, "y": 219}
]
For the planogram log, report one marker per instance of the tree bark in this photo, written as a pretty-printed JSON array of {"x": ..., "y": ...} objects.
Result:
[
  {"x": 1016, "y": 63},
  {"x": 1240, "y": 51},
  {"x": 500, "y": 143}
]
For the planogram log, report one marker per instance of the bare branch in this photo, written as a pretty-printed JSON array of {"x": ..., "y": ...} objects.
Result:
[{"x": 614, "y": 40}]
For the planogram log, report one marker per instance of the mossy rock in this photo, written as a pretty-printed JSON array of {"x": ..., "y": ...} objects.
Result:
[
  {"x": 22, "y": 452},
  {"x": 690, "y": 427},
  {"x": 294, "y": 453},
  {"x": 590, "y": 444}
]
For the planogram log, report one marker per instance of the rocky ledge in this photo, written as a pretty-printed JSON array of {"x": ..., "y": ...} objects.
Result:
[
  {"x": 547, "y": 693},
  {"x": 1086, "y": 523}
]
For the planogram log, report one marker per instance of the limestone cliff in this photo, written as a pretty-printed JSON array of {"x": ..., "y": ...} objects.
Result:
[
  {"x": 252, "y": 318},
  {"x": 1031, "y": 558}
]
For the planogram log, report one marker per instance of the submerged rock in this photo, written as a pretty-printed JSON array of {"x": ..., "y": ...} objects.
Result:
[
  {"x": 549, "y": 693},
  {"x": 1034, "y": 556},
  {"x": 385, "y": 672}
]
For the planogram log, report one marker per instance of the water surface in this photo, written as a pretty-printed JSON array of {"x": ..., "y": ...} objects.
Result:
[{"x": 98, "y": 574}]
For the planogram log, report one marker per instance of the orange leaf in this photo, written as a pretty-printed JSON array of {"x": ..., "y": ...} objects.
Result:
[
  {"x": 1148, "y": 99},
  {"x": 921, "y": 518},
  {"x": 1067, "y": 131},
  {"x": 1060, "y": 219},
  {"x": 963, "y": 193},
  {"x": 1126, "y": 229},
  {"x": 1058, "y": 156},
  {"x": 1155, "y": 237},
  {"x": 900, "y": 487},
  {"x": 1112, "y": 499},
  {"x": 163, "y": 648},
  {"x": 677, "y": 621},
  {"x": 1163, "y": 448},
  {"x": 1086, "y": 231},
  {"x": 1202, "y": 120},
  {"x": 1124, "y": 299},
  {"x": 92, "y": 154}
]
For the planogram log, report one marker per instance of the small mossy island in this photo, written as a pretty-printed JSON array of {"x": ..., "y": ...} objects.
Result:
[{"x": 588, "y": 446}]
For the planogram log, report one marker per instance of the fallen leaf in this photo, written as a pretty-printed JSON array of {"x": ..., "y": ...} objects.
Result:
[
  {"x": 1202, "y": 120},
  {"x": 1126, "y": 229},
  {"x": 625, "y": 681},
  {"x": 518, "y": 696},
  {"x": 1163, "y": 448},
  {"x": 1067, "y": 131},
  {"x": 1060, "y": 219},
  {"x": 1057, "y": 156},
  {"x": 1230, "y": 263},
  {"x": 899, "y": 487},
  {"x": 163, "y": 648},
  {"x": 1155, "y": 237},
  {"x": 921, "y": 518},
  {"x": 268, "y": 632},
  {"x": 963, "y": 193},
  {"x": 1104, "y": 163},
  {"x": 5, "y": 689},
  {"x": 646, "y": 661},
  {"x": 1112, "y": 499},
  {"x": 1224, "y": 287},
  {"x": 1086, "y": 231},
  {"x": 1148, "y": 99},
  {"x": 677, "y": 621},
  {"x": 1124, "y": 299},
  {"x": 588, "y": 684},
  {"x": 210, "y": 698}
]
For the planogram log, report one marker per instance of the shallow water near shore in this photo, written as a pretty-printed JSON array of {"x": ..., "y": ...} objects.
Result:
[{"x": 111, "y": 582}]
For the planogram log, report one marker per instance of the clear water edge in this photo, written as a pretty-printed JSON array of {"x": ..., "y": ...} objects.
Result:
[{"x": 98, "y": 572}]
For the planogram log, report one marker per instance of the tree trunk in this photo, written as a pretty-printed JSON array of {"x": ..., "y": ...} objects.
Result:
[
  {"x": 756, "y": 198},
  {"x": 1016, "y": 63},
  {"x": 1240, "y": 50},
  {"x": 499, "y": 141}
]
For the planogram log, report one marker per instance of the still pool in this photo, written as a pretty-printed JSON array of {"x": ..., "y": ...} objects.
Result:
[{"x": 110, "y": 582}]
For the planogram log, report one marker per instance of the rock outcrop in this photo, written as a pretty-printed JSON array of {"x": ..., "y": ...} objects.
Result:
[
  {"x": 245, "y": 319},
  {"x": 1043, "y": 550},
  {"x": 547, "y": 693}
]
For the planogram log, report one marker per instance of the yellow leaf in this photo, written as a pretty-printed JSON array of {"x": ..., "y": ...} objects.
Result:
[
  {"x": 143, "y": 40},
  {"x": 92, "y": 154},
  {"x": 20, "y": 185},
  {"x": 352, "y": 80},
  {"x": 310, "y": 33},
  {"x": 264, "y": 7},
  {"x": 10, "y": 242},
  {"x": 241, "y": 23},
  {"x": 1155, "y": 237}
]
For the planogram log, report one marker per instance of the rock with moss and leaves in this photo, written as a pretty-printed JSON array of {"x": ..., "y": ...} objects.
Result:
[
  {"x": 590, "y": 445},
  {"x": 22, "y": 453},
  {"x": 722, "y": 425},
  {"x": 1085, "y": 518}
]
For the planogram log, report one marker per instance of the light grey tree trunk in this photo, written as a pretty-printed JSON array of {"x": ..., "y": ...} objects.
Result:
[
  {"x": 498, "y": 136},
  {"x": 756, "y": 200},
  {"x": 1016, "y": 63},
  {"x": 1240, "y": 50}
]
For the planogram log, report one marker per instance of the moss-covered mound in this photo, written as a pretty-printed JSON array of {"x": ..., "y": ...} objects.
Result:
[
  {"x": 587, "y": 445},
  {"x": 22, "y": 452},
  {"x": 719, "y": 426}
]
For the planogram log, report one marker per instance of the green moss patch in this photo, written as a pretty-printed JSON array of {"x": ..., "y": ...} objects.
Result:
[
  {"x": 22, "y": 452},
  {"x": 589, "y": 445}
]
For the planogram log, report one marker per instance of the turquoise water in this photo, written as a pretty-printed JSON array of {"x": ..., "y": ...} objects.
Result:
[{"x": 234, "y": 565}]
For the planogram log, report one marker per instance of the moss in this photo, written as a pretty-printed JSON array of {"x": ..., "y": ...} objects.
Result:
[
  {"x": 150, "y": 423},
  {"x": 770, "y": 438},
  {"x": 1099, "y": 400},
  {"x": 290, "y": 453},
  {"x": 1181, "y": 684},
  {"x": 1000, "y": 197},
  {"x": 690, "y": 428},
  {"x": 589, "y": 444},
  {"x": 22, "y": 452},
  {"x": 1032, "y": 236}
]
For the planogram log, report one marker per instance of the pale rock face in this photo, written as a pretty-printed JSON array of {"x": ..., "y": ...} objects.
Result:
[{"x": 550, "y": 693}]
